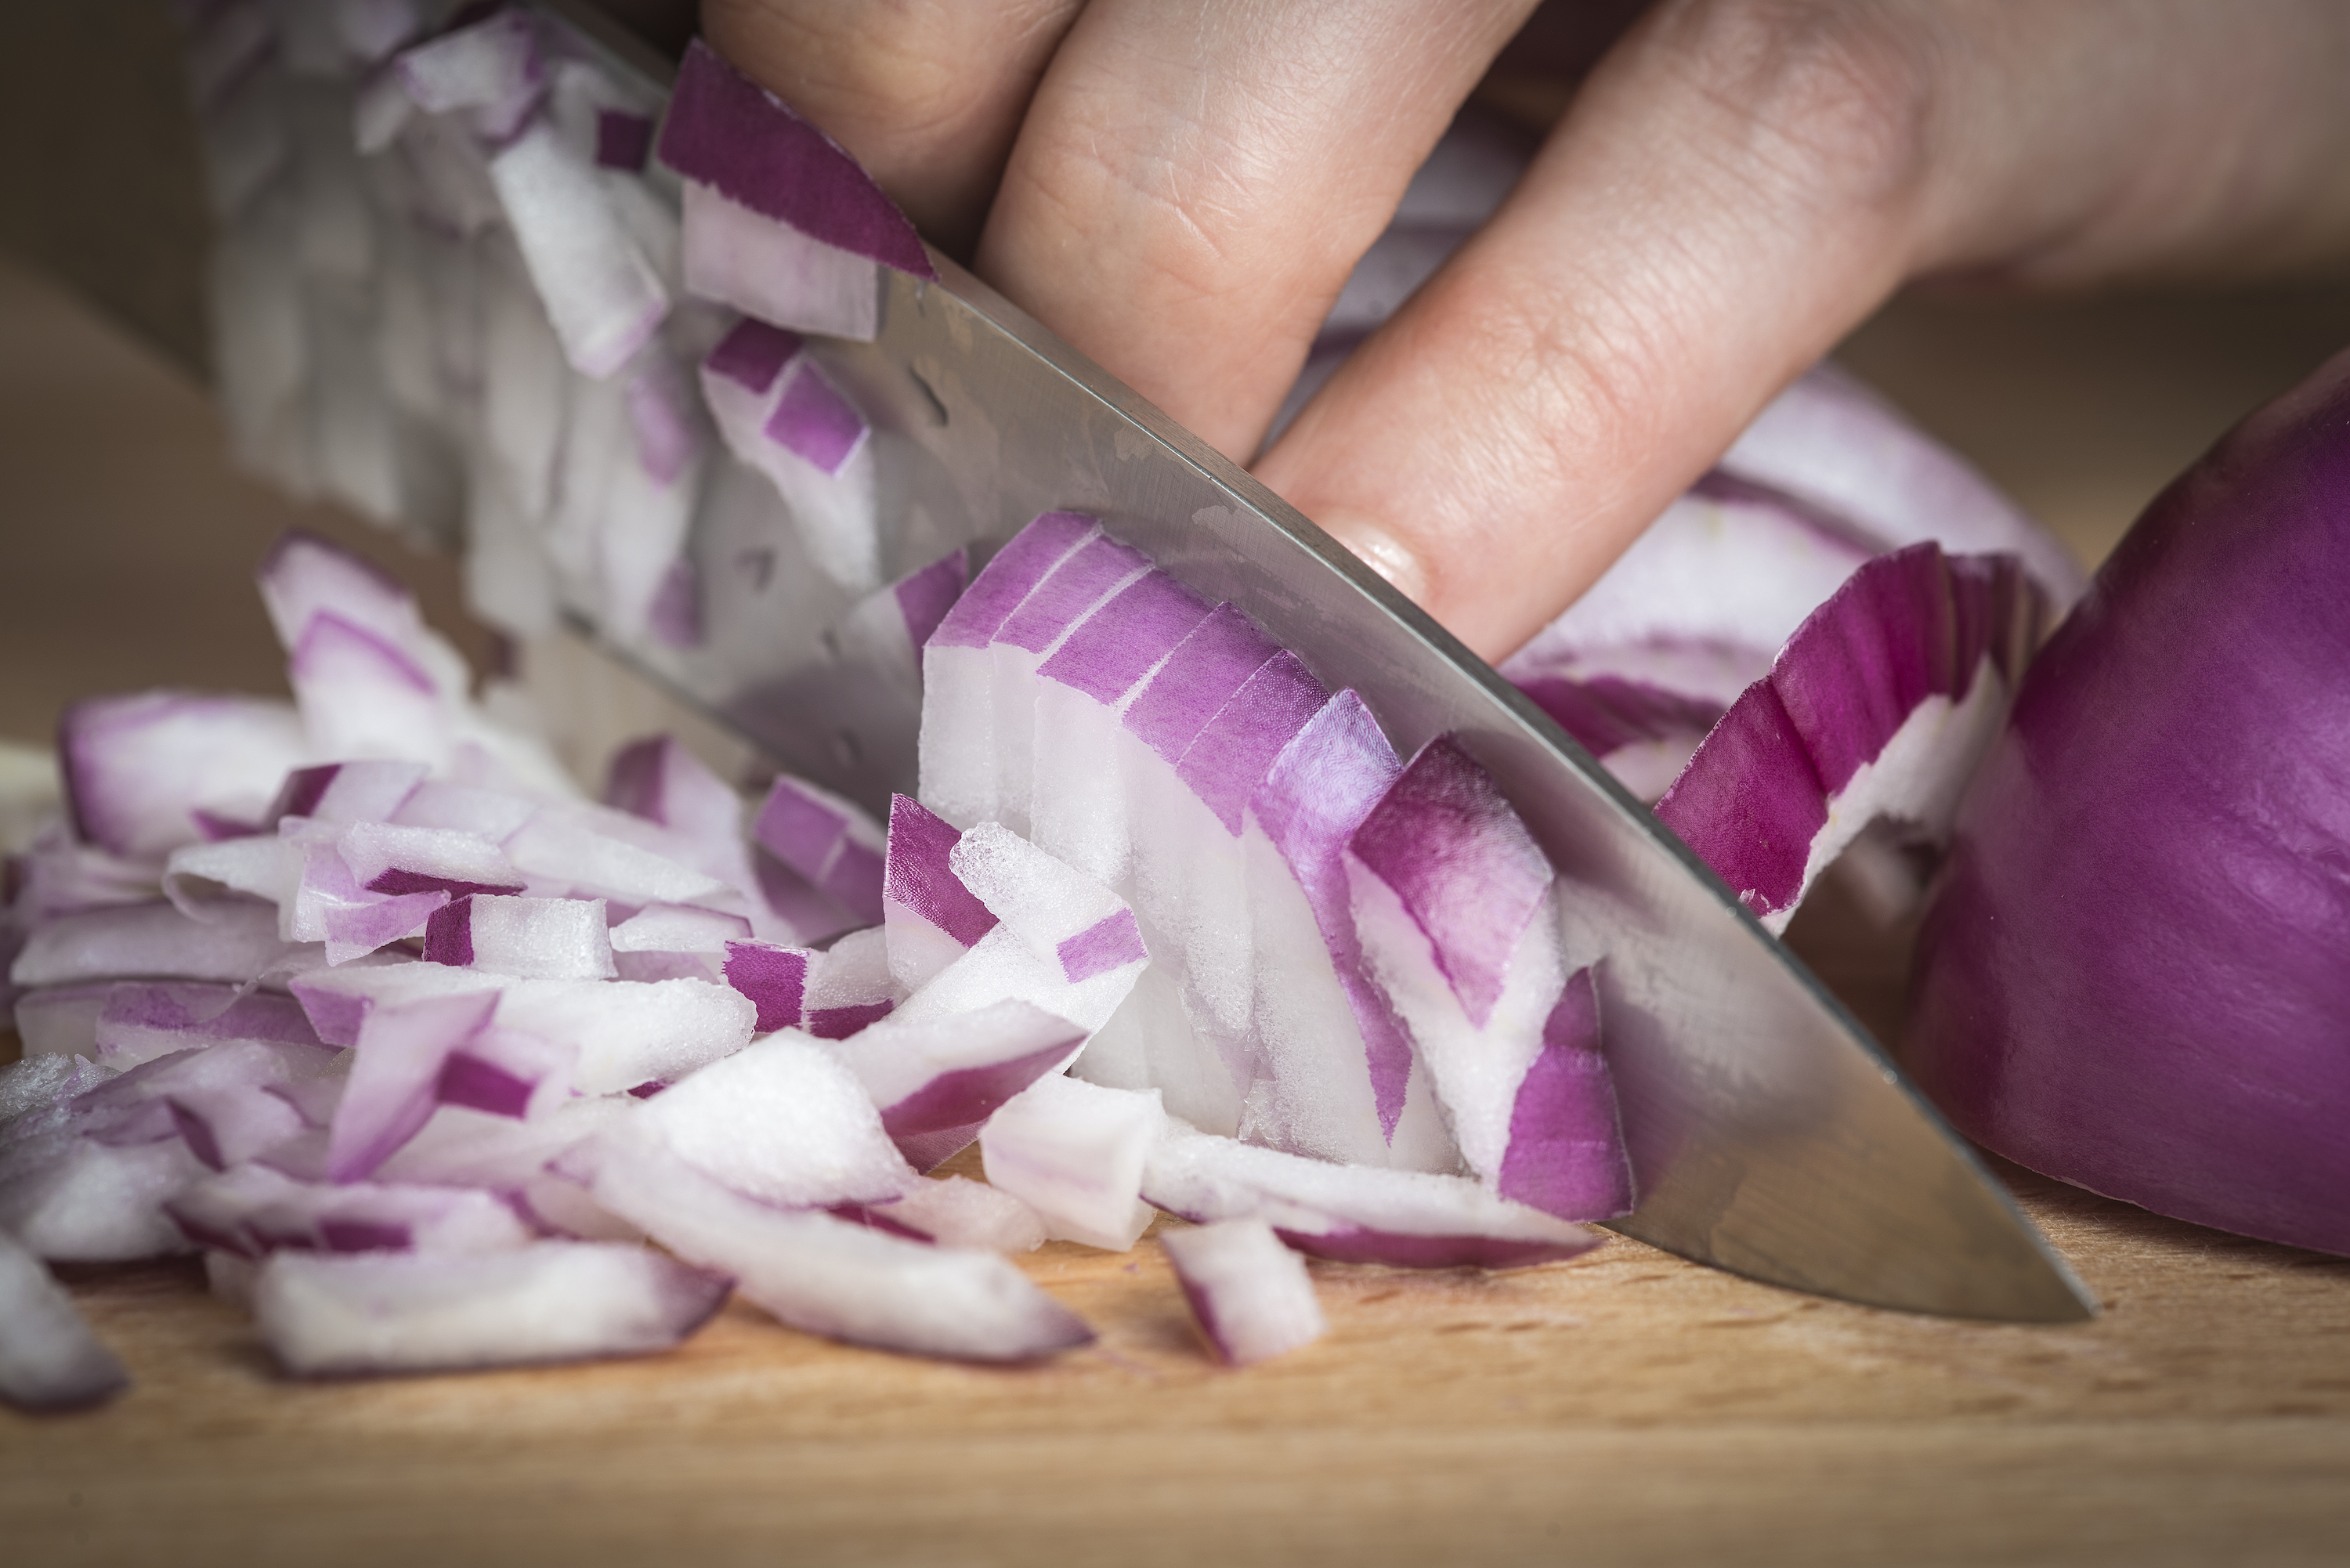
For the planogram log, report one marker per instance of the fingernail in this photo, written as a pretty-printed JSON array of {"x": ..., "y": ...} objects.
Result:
[{"x": 1380, "y": 550}]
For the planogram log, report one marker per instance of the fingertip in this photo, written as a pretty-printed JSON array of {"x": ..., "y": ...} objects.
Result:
[{"x": 1379, "y": 549}]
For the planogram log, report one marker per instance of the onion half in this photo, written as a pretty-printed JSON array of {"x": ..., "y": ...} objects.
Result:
[{"x": 2131, "y": 974}]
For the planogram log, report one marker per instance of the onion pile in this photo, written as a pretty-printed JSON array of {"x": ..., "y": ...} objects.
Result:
[
  {"x": 2131, "y": 975},
  {"x": 421, "y": 1049}
]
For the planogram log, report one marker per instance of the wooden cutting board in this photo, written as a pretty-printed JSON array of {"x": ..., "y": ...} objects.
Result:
[{"x": 1624, "y": 1407}]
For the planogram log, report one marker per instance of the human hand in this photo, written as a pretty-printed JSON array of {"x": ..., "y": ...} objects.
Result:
[{"x": 1180, "y": 189}]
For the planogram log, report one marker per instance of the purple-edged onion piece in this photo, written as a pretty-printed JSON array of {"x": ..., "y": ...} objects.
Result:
[
  {"x": 1251, "y": 1296},
  {"x": 2131, "y": 976},
  {"x": 1879, "y": 706}
]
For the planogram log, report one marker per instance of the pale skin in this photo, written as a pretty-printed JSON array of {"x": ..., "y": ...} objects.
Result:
[{"x": 1180, "y": 187}]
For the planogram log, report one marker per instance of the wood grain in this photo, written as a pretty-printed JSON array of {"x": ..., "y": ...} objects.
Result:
[{"x": 1624, "y": 1407}]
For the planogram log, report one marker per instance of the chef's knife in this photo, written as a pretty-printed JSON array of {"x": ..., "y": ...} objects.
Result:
[{"x": 1771, "y": 1135}]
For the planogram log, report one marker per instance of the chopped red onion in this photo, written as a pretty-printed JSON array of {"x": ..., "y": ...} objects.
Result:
[
  {"x": 531, "y": 938},
  {"x": 492, "y": 69},
  {"x": 253, "y": 1211},
  {"x": 602, "y": 295},
  {"x": 1079, "y": 958},
  {"x": 837, "y": 1278},
  {"x": 775, "y": 979},
  {"x": 1879, "y": 706},
  {"x": 958, "y": 753},
  {"x": 586, "y": 853},
  {"x": 1313, "y": 797},
  {"x": 34, "y": 1082},
  {"x": 48, "y": 1358},
  {"x": 665, "y": 418},
  {"x": 359, "y": 695},
  {"x": 1456, "y": 909},
  {"x": 828, "y": 841},
  {"x": 849, "y": 985},
  {"x": 74, "y": 1198},
  {"x": 1251, "y": 1296},
  {"x": 930, "y": 918},
  {"x": 771, "y": 270},
  {"x": 725, "y": 131},
  {"x": 1405, "y": 1219},
  {"x": 955, "y": 1212},
  {"x": 59, "y": 1020},
  {"x": 396, "y": 1073},
  {"x": 369, "y": 791},
  {"x": 666, "y": 941},
  {"x": 506, "y": 1073},
  {"x": 138, "y": 769},
  {"x": 139, "y": 1021},
  {"x": 1075, "y": 1152},
  {"x": 236, "y": 942},
  {"x": 631, "y": 1033},
  {"x": 781, "y": 1120},
  {"x": 337, "y": 1002},
  {"x": 463, "y": 1145},
  {"x": 553, "y": 1300},
  {"x": 387, "y": 858},
  {"x": 946, "y": 1075},
  {"x": 233, "y": 1122}
]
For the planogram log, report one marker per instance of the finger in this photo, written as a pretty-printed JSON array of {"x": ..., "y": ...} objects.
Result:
[
  {"x": 1195, "y": 180},
  {"x": 927, "y": 94},
  {"x": 1736, "y": 187}
]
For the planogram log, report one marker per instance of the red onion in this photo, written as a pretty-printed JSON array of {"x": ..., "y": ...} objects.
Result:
[{"x": 2131, "y": 976}]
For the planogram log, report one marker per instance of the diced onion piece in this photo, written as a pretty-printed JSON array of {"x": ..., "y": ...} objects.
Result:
[
  {"x": 1075, "y": 1152},
  {"x": 602, "y": 295},
  {"x": 781, "y": 1120},
  {"x": 725, "y": 131},
  {"x": 236, "y": 942},
  {"x": 827, "y": 839},
  {"x": 1251, "y": 1296},
  {"x": 832, "y": 1277},
  {"x": 48, "y": 1358},
  {"x": 554, "y": 1301},
  {"x": 138, "y": 770},
  {"x": 1352, "y": 1213}
]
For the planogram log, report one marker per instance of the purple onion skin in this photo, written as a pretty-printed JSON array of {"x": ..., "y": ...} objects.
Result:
[{"x": 2132, "y": 977}]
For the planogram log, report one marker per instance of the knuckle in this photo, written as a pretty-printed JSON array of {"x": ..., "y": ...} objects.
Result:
[
  {"x": 1837, "y": 97},
  {"x": 881, "y": 65}
]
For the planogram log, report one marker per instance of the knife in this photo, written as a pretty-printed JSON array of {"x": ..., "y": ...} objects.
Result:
[{"x": 1770, "y": 1135}]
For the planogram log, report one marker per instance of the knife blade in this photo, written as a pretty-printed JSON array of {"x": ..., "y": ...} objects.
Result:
[{"x": 1770, "y": 1135}]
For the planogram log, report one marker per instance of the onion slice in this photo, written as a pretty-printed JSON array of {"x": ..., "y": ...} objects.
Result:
[{"x": 1879, "y": 706}]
